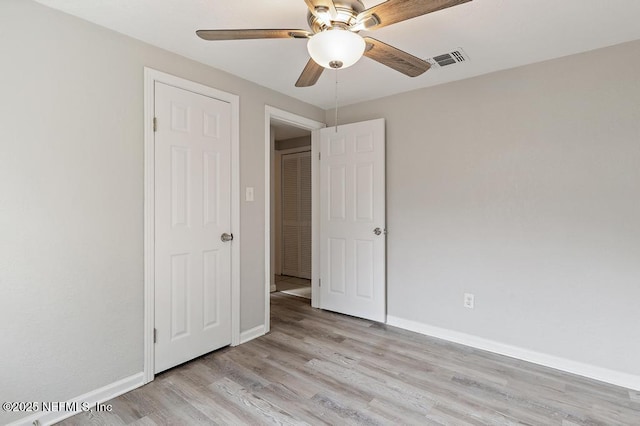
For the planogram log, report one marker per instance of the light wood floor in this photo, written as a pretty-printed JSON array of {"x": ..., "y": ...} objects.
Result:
[
  {"x": 318, "y": 367},
  {"x": 284, "y": 282},
  {"x": 294, "y": 286}
]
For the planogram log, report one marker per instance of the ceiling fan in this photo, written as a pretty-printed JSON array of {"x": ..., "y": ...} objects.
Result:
[{"x": 334, "y": 41}]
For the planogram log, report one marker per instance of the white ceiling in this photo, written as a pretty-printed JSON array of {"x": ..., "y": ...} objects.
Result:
[{"x": 496, "y": 34}]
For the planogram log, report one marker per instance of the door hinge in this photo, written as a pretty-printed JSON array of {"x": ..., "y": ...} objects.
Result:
[
  {"x": 155, "y": 335},
  {"x": 319, "y": 156},
  {"x": 155, "y": 124},
  {"x": 319, "y": 282}
]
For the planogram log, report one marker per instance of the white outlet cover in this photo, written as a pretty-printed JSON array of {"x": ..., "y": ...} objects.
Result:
[
  {"x": 469, "y": 300},
  {"x": 249, "y": 193}
]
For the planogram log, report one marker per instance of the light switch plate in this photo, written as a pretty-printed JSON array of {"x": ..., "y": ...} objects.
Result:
[{"x": 249, "y": 193}]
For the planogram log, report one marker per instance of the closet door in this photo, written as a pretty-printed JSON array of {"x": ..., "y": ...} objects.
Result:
[
  {"x": 296, "y": 215},
  {"x": 192, "y": 265}
]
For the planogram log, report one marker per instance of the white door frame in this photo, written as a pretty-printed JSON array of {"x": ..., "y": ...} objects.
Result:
[
  {"x": 313, "y": 126},
  {"x": 150, "y": 77}
]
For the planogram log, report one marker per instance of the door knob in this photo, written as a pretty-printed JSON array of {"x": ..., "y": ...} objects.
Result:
[
  {"x": 377, "y": 231},
  {"x": 226, "y": 237}
]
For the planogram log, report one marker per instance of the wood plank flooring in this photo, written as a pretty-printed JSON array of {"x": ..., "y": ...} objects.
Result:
[
  {"x": 318, "y": 367},
  {"x": 294, "y": 286}
]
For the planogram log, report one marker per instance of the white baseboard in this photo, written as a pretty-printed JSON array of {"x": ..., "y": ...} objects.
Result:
[
  {"x": 91, "y": 398},
  {"x": 618, "y": 378},
  {"x": 252, "y": 333}
]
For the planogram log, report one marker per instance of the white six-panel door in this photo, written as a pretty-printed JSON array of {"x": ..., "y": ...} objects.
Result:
[
  {"x": 352, "y": 220},
  {"x": 192, "y": 207}
]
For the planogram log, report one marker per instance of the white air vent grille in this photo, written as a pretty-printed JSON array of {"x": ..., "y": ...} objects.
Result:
[{"x": 455, "y": 57}]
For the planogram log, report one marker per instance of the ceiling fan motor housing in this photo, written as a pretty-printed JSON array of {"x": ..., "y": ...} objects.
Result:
[{"x": 347, "y": 12}]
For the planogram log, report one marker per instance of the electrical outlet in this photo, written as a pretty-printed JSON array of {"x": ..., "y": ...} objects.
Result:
[{"x": 469, "y": 300}]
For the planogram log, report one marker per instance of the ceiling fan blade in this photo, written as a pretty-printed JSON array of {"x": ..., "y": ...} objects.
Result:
[
  {"x": 250, "y": 34},
  {"x": 310, "y": 74},
  {"x": 395, "y": 58},
  {"x": 319, "y": 5},
  {"x": 393, "y": 11}
]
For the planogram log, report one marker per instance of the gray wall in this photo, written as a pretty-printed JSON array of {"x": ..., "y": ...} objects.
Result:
[
  {"x": 71, "y": 199},
  {"x": 522, "y": 187}
]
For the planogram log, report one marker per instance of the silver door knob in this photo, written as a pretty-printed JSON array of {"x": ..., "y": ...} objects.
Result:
[
  {"x": 226, "y": 237},
  {"x": 377, "y": 231}
]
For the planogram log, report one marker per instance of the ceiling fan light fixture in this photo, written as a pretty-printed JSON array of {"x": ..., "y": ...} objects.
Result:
[{"x": 336, "y": 48}]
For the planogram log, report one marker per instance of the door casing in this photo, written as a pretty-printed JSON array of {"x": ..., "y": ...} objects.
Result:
[{"x": 150, "y": 77}]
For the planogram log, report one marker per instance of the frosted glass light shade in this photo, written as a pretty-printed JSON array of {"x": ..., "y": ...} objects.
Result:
[{"x": 333, "y": 47}]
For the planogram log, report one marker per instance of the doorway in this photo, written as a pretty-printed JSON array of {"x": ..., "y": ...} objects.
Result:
[
  {"x": 291, "y": 223},
  {"x": 290, "y": 178},
  {"x": 348, "y": 226}
]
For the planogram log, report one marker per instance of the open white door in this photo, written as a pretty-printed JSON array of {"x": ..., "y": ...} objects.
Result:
[
  {"x": 352, "y": 220},
  {"x": 192, "y": 212}
]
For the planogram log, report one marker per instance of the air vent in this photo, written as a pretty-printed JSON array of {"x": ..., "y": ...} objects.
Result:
[{"x": 455, "y": 57}]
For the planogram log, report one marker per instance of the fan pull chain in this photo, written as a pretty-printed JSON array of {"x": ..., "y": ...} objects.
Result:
[{"x": 336, "y": 115}]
